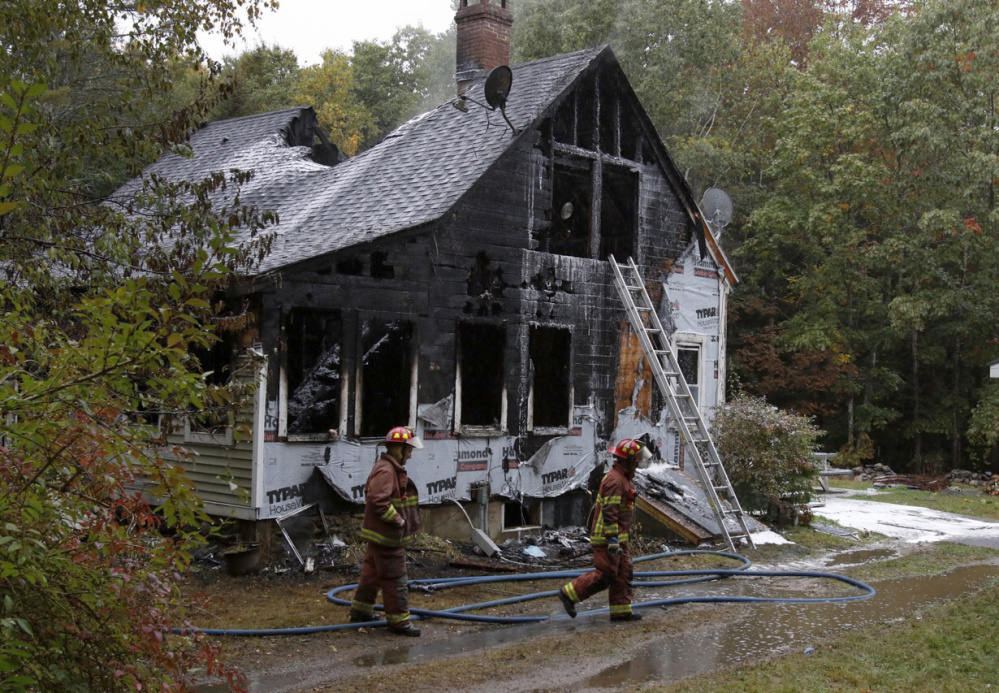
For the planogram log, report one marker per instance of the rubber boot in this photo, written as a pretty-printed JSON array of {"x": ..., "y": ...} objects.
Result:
[
  {"x": 362, "y": 617},
  {"x": 409, "y": 630},
  {"x": 567, "y": 604},
  {"x": 626, "y": 617}
]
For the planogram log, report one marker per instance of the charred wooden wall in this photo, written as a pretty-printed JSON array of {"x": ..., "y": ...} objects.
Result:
[{"x": 479, "y": 264}]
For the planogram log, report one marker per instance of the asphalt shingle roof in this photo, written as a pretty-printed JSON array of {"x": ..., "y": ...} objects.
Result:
[{"x": 412, "y": 177}]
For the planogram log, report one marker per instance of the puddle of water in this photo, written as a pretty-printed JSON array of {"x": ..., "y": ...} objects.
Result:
[
  {"x": 862, "y": 556},
  {"x": 772, "y": 627}
]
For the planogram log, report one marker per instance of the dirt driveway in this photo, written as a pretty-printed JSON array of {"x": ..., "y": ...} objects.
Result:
[{"x": 587, "y": 653}]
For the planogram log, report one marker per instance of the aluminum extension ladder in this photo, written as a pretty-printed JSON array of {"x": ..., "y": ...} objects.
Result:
[{"x": 685, "y": 413}]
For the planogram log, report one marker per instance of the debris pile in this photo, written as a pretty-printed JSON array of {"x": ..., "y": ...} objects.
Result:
[
  {"x": 553, "y": 545},
  {"x": 871, "y": 472},
  {"x": 964, "y": 476}
]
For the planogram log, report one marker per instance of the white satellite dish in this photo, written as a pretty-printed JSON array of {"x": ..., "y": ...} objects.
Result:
[{"x": 717, "y": 208}]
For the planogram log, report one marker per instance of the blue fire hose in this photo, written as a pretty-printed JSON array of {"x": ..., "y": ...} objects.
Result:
[{"x": 677, "y": 577}]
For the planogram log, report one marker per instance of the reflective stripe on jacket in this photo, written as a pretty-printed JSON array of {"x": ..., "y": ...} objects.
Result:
[
  {"x": 389, "y": 493},
  {"x": 615, "y": 511}
]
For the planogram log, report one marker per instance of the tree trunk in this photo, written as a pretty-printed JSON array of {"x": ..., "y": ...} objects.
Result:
[{"x": 917, "y": 452}]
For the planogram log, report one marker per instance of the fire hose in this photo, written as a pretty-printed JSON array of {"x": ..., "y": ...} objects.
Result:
[{"x": 642, "y": 580}]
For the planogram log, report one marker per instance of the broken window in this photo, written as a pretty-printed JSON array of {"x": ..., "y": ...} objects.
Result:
[
  {"x": 551, "y": 385},
  {"x": 618, "y": 212},
  {"x": 380, "y": 268},
  {"x": 571, "y": 202},
  {"x": 213, "y": 424},
  {"x": 386, "y": 376},
  {"x": 480, "y": 385},
  {"x": 313, "y": 371},
  {"x": 522, "y": 515}
]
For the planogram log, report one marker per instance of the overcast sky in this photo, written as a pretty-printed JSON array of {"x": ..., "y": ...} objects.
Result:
[{"x": 310, "y": 26}]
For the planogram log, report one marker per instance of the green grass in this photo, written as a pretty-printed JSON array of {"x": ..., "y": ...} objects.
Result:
[
  {"x": 970, "y": 503},
  {"x": 929, "y": 559},
  {"x": 948, "y": 647}
]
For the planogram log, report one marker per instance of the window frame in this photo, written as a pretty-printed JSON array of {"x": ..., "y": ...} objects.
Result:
[
  {"x": 414, "y": 355},
  {"x": 571, "y": 394},
  {"x": 477, "y": 430},
  {"x": 693, "y": 341},
  {"x": 284, "y": 390}
]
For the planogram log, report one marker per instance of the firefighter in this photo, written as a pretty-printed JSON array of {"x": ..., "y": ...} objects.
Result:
[
  {"x": 612, "y": 520},
  {"x": 391, "y": 518}
]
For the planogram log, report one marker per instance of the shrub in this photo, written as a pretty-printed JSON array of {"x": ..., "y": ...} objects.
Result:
[{"x": 768, "y": 456}]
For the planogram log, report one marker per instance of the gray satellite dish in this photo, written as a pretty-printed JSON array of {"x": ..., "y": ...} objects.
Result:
[
  {"x": 497, "y": 86},
  {"x": 717, "y": 207}
]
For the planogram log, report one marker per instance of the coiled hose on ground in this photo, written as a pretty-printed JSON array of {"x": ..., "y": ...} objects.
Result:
[{"x": 642, "y": 580}]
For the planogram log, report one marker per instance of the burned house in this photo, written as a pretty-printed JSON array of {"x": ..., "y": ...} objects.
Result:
[{"x": 454, "y": 278}]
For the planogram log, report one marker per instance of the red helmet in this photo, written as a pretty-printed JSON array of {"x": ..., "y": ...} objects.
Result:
[
  {"x": 403, "y": 436},
  {"x": 630, "y": 449}
]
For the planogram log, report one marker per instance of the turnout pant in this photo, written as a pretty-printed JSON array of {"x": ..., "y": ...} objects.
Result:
[
  {"x": 613, "y": 573},
  {"x": 385, "y": 569}
]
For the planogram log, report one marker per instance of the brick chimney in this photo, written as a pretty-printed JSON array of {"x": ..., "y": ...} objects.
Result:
[{"x": 483, "y": 38}]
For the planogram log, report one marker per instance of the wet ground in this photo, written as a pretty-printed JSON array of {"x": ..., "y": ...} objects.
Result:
[{"x": 672, "y": 643}]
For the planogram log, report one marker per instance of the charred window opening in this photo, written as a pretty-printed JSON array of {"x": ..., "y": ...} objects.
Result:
[
  {"x": 610, "y": 133},
  {"x": 313, "y": 371},
  {"x": 380, "y": 269},
  {"x": 565, "y": 122},
  {"x": 385, "y": 375},
  {"x": 480, "y": 375},
  {"x": 216, "y": 364},
  {"x": 571, "y": 208},
  {"x": 521, "y": 515},
  {"x": 618, "y": 205},
  {"x": 630, "y": 133},
  {"x": 550, "y": 351},
  {"x": 350, "y": 266},
  {"x": 586, "y": 126}
]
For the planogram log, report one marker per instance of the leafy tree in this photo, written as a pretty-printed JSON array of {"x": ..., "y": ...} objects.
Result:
[
  {"x": 100, "y": 309},
  {"x": 329, "y": 88},
  {"x": 257, "y": 81},
  {"x": 391, "y": 79}
]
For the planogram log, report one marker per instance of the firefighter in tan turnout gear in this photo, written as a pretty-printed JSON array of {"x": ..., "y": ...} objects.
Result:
[
  {"x": 391, "y": 518},
  {"x": 612, "y": 520}
]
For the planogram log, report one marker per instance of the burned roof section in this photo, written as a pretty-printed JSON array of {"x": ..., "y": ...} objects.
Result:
[{"x": 410, "y": 179}]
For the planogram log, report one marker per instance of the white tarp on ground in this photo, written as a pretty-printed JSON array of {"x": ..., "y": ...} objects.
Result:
[{"x": 908, "y": 523}]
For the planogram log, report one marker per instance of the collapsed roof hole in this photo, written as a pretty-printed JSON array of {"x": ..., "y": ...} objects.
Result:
[{"x": 380, "y": 269}]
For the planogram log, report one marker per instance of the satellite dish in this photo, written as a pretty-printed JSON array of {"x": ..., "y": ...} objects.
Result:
[
  {"x": 717, "y": 206},
  {"x": 566, "y": 210},
  {"x": 498, "y": 85}
]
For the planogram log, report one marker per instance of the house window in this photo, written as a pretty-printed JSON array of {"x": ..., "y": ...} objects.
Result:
[
  {"x": 312, "y": 386},
  {"x": 618, "y": 212},
  {"x": 550, "y": 402},
  {"x": 214, "y": 424},
  {"x": 690, "y": 356},
  {"x": 480, "y": 392},
  {"x": 386, "y": 376},
  {"x": 522, "y": 515},
  {"x": 571, "y": 214}
]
